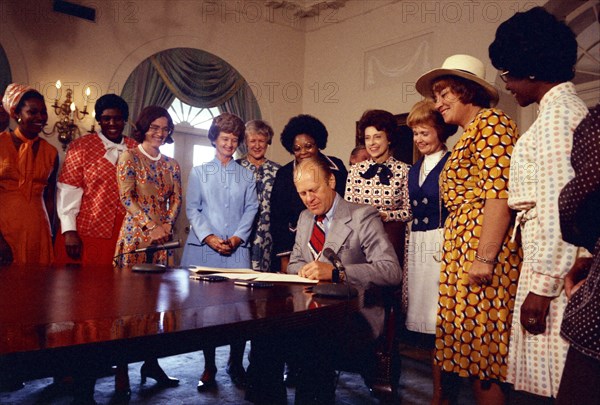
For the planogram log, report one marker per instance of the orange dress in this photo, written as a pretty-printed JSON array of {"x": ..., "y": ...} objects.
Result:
[
  {"x": 24, "y": 222},
  {"x": 473, "y": 322}
]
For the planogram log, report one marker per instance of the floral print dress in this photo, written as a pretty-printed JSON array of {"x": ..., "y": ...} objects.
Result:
[
  {"x": 150, "y": 190},
  {"x": 261, "y": 239}
]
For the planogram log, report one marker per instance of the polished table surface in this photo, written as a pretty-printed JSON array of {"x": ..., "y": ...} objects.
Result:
[{"x": 62, "y": 317}]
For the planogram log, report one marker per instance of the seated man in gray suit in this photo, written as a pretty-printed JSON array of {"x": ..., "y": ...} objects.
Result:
[{"x": 355, "y": 233}]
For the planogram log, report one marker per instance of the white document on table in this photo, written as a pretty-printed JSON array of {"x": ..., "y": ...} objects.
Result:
[{"x": 248, "y": 274}]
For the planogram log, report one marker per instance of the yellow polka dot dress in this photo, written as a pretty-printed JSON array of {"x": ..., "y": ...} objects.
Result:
[{"x": 473, "y": 322}]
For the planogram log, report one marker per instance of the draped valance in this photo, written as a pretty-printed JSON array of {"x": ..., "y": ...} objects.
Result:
[{"x": 196, "y": 77}]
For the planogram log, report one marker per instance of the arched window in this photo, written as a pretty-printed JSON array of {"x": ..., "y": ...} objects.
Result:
[
  {"x": 197, "y": 78},
  {"x": 194, "y": 86},
  {"x": 190, "y": 116},
  {"x": 194, "y": 121}
]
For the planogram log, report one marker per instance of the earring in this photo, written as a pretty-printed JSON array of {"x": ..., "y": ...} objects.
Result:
[
  {"x": 531, "y": 77},
  {"x": 19, "y": 120}
]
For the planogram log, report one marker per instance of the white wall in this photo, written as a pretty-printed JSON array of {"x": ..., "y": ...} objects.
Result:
[
  {"x": 334, "y": 66},
  {"x": 341, "y": 49}
]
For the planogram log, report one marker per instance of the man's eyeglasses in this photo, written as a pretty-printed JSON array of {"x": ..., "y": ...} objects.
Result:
[{"x": 306, "y": 146}]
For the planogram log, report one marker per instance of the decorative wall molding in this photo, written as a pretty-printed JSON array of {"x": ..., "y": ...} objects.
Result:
[
  {"x": 305, "y": 8},
  {"x": 399, "y": 63}
]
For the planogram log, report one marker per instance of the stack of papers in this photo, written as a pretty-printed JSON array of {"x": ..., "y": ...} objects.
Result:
[{"x": 251, "y": 275}]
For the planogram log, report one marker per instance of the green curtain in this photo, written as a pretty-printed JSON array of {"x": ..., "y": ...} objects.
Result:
[
  {"x": 243, "y": 104},
  {"x": 196, "y": 77},
  {"x": 145, "y": 87}
]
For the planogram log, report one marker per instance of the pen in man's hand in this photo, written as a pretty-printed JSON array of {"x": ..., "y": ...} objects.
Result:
[{"x": 318, "y": 256}]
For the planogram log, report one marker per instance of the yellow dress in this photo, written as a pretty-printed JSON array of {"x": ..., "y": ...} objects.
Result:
[
  {"x": 23, "y": 219},
  {"x": 473, "y": 322}
]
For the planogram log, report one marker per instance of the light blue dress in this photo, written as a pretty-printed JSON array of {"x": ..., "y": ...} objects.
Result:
[{"x": 221, "y": 200}]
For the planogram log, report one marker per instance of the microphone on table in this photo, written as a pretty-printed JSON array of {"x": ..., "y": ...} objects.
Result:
[
  {"x": 334, "y": 259},
  {"x": 165, "y": 246},
  {"x": 339, "y": 290},
  {"x": 148, "y": 266}
]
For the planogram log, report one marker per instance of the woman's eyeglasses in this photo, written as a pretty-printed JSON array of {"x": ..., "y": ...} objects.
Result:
[
  {"x": 445, "y": 95},
  {"x": 155, "y": 129},
  {"x": 306, "y": 146},
  {"x": 505, "y": 76}
]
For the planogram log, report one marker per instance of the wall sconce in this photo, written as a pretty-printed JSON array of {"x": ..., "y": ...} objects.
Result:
[{"x": 67, "y": 113}]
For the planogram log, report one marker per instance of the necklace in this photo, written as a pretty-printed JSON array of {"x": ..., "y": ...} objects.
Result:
[{"x": 149, "y": 156}]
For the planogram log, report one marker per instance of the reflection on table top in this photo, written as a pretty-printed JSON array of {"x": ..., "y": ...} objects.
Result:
[{"x": 48, "y": 308}]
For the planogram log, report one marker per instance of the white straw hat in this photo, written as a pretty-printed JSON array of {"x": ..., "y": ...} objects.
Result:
[{"x": 465, "y": 66}]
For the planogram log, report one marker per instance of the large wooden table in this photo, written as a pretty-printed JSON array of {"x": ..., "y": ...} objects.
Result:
[{"x": 69, "y": 318}]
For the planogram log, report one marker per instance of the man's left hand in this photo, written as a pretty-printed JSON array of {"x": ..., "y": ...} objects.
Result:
[{"x": 316, "y": 271}]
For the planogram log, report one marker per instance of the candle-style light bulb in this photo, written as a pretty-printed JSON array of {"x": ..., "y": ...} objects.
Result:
[
  {"x": 73, "y": 108},
  {"x": 87, "y": 94},
  {"x": 57, "y": 85}
]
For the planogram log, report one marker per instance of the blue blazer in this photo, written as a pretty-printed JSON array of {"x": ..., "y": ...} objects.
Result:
[{"x": 425, "y": 199}]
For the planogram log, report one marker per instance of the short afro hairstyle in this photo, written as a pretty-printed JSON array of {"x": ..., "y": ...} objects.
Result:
[
  {"x": 304, "y": 124},
  {"x": 535, "y": 44},
  {"x": 382, "y": 121},
  {"x": 109, "y": 101},
  {"x": 146, "y": 118},
  {"x": 228, "y": 123},
  {"x": 425, "y": 113}
]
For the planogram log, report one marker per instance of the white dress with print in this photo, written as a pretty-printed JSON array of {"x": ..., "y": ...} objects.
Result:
[{"x": 539, "y": 169}]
